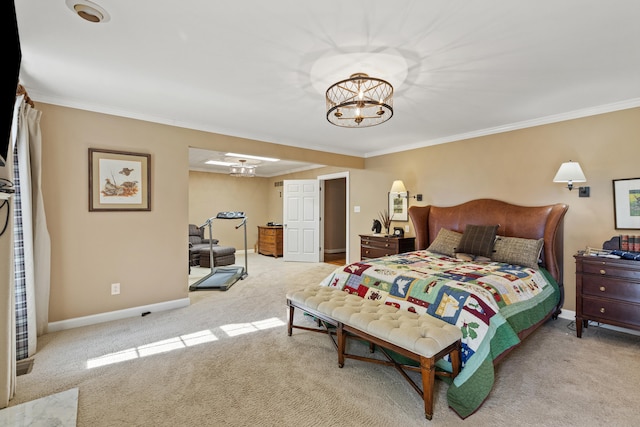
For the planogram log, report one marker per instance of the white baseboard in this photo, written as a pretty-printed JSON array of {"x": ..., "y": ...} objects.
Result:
[
  {"x": 242, "y": 252},
  {"x": 116, "y": 315},
  {"x": 567, "y": 314},
  {"x": 571, "y": 315},
  {"x": 334, "y": 251}
]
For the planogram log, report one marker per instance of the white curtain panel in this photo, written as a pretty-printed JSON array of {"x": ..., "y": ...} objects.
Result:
[{"x": 37, "y": 242}]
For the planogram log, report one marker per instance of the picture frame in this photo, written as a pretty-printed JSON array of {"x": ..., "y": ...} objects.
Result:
[
  {"x": 399, "y": 206},
  {"x": 626, "y": 203},
  {"x": 119, "y": 181}
]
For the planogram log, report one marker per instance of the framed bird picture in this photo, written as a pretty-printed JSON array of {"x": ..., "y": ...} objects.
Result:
[{"x": 119, "y": 181}]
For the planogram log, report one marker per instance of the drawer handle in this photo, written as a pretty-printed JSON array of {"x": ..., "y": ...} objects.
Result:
[
  {"x": 602, "y": 310},
  {"x": 386, "y": 245},
  {"x": 602, "y": 289},
  {"x": 603, "y": 271}
]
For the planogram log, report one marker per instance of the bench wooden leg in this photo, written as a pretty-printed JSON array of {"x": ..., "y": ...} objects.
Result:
[
  {"x": 428, "y": 370},
  {"x": 454, "y": 357},
  {"x": 342, "y": 343},
  {"x": 290, "y": 324}
]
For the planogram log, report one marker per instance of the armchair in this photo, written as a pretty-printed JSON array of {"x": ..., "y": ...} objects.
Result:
[
  {"x": 200, "y": 250},
  {"x": 196, "y": 243}
]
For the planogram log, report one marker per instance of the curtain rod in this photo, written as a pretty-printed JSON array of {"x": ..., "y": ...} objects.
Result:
[{"x": 22, "y": 91}]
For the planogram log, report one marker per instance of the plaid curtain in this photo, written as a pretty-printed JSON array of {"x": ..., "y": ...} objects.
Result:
[{"x": 22, "y": 336}]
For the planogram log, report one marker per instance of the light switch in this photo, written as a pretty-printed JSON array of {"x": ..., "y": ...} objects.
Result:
[{"x": 356, "y": 209}]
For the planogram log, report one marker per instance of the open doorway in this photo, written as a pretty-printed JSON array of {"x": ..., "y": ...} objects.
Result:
[{"x": 334, "y": 230}]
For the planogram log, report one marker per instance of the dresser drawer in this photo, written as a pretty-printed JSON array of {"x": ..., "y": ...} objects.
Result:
[
  {"x": 607, "y": 287},
  {"x": 269, "y": 232},
  {"x": 381, "y": 243},
  {"x": 268, "y": 246},
  {"x": 611, "y": 310},
  {"x": 371, "y": 252},
  {"x": 610, "y": 269}
]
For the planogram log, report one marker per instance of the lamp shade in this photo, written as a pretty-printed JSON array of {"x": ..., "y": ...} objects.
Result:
[
  {"x": 398, "y": 187},
  {"x": 570, "y": 172}
]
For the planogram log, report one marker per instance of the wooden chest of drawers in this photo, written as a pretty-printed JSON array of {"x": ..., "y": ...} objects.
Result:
[
  {"x": 376, "y": 246},
  {"x": 607, "y": 291},
  {"x": 270, "y": 240}
]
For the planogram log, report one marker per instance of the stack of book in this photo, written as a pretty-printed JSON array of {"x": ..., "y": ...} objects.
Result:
[{"x": 629, "y": 243}]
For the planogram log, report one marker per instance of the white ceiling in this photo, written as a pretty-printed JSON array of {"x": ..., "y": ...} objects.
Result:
[
  {"x": 198, "y": 158},
  {"x": 244, "y": 68}
]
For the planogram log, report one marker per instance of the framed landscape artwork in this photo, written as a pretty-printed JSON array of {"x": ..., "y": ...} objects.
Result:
[
  {"x": 626, "y": 203},
  {"x": 398, "y": 206},
  {"x": 119, "y": 181}
]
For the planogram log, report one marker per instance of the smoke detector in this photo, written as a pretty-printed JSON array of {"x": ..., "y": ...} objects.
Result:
[{"x": 88, "y": 11}]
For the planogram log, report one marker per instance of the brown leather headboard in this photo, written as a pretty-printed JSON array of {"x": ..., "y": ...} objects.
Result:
[{"x": 530, "y": 222}]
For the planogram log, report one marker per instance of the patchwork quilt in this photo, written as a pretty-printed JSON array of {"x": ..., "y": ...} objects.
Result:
[{"x": 491, "y": 302}]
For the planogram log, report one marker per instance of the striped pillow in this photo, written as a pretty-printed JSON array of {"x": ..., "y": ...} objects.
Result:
[{"x": 478, "y": 240}]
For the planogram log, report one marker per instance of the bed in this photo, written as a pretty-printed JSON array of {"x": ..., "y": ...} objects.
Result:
[{"x": 490, "y": 267}]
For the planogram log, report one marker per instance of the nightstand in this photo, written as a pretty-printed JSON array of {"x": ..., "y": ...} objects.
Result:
[
  {"x": 379, "y": 245},
  {"x": 607, "y": 291}
]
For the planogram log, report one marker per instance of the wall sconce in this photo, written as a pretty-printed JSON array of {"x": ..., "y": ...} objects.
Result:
[
  {"x": 398, "y": 187},
  {"x": 571, "y": 172}
]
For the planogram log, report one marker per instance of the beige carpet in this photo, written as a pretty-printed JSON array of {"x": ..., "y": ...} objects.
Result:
[{"x": 226, "y": 360}]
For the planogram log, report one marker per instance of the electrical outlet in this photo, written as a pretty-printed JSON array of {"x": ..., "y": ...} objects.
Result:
[
  {"x": 406, "y": 228},
  {"x": 115, "y": 288}
]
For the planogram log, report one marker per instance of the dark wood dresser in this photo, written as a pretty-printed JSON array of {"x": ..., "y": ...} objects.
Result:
[
  {"x": 607, "y": 291},
  {"x": 376, "y": 246},
  {"x": 270, "y": 240}
]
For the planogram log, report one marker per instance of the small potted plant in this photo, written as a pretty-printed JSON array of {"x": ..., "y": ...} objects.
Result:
[{"x": 385, "y": 219}]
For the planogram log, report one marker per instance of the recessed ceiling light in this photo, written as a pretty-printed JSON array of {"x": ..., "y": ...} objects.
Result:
[
  {"x": 218, "y": 163},
  {"x": 88, "y": 10},
  {"x": 247, "y": 156}
]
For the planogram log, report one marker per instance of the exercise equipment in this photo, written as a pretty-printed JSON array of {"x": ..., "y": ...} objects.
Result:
[{"x": 222, "y": 278}]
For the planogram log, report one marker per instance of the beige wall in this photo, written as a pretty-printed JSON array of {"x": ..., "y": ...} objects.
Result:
[
  {"x": 210, "y": 193},
  {"x": 146, "y": 251},
  {"x": 519, "y": 167}
]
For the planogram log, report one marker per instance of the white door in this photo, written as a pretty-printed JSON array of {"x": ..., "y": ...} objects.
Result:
[{"x": 301, "y": 213}]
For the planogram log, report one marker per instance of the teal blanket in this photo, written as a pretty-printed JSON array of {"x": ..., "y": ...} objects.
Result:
[{"x": 491, "y": 302}]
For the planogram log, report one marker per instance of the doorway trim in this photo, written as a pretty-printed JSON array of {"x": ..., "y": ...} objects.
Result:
[{"x": 322, "y": 179}]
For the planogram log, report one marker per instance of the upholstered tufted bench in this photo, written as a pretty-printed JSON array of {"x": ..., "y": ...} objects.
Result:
[{"x": 419, "y": 337}]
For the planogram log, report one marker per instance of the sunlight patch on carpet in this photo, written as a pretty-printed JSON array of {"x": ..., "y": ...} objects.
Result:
[
  {"x": 244, "y": 328},
  {"x": 181, "y": 342}
]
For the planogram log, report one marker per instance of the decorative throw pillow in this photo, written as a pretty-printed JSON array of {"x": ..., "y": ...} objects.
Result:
[
  {"x": 515, "y": 250},
  {"x": 478, "y": 240},
  {"x": 445, "y": 242},
  {"x": 471, "y": 257}
]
